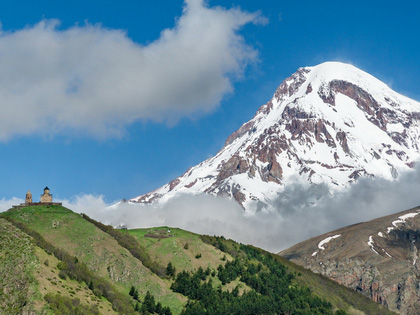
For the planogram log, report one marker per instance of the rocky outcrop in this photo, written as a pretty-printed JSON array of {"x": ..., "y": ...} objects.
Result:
[
  {"x": 292, "y": 84},
  {"x": 173, "y": 184},
  {"x": 240, "y": 132}
]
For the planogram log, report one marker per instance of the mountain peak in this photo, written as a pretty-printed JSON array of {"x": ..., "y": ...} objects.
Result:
[{"x": 328, "y": 124}]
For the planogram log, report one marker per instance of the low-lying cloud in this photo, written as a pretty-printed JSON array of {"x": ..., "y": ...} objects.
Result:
[
  {"x": 296, "y": 218},
  {"x": 97, "y": 80}
]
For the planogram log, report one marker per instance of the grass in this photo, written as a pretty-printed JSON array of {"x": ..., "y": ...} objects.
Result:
[
  {"x": 173, "y": 248},
  {"x": 50, "y": 282},
  {"x": 17, "y": 265}
]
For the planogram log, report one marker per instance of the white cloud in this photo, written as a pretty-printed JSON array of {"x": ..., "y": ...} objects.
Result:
[
  {"x": 85, "y": 201},
  {"x": 8, "y": 203},
  {"x": 96, "y": 80}
]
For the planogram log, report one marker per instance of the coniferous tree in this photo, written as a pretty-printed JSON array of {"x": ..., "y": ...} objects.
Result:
[
  {"x": 149, "y": 302},
  {"x": 132, "y": 289},
  {"x": 158, "y": 308},
  {"x": 136, "y": 295},
  {"x": 170, "y": 270}
]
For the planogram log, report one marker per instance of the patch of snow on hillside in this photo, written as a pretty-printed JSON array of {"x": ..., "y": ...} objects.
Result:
[
  {"x": 386, "y": 253},
  {"x": 401, "y": 219},
  {"x": 371, "y": 244},
  {"x": 327, "y": 240}
]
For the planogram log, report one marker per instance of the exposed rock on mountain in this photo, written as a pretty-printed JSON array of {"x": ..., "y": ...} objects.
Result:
[
  {"x": 331, "y": 124},
  {"x": 379, "y": 258}
]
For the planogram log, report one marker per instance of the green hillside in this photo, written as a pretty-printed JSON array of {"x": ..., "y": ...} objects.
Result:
[
  {"x": 54, "y": 261},
  {"x": 179, "y": 247},
  {"x": 29, "y": 274}
]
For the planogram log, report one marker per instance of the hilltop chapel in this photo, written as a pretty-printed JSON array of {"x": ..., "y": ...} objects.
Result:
[{"x": 46, "y": 199}]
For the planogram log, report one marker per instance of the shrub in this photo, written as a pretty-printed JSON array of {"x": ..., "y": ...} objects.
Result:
[
  {"x": 62, "y": 274},
  {"x": 64, "y": 305},
  {"x": 170, "y": 270}
]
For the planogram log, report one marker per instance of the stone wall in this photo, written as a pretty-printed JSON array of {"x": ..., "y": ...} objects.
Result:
[{"x": 46, "y": 198}]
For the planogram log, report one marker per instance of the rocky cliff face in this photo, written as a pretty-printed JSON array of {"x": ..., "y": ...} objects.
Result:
[
  {"x": 379, "y": 258},
  {"x": 331, "y": 124}
]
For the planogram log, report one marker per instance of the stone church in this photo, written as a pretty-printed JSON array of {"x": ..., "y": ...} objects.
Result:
[{"x": 46, "y": 199}]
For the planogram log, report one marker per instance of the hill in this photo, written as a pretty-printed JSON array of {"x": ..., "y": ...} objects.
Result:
[
  {"x": 378, "y": 258},
  {"x": 55, "y": 261}
]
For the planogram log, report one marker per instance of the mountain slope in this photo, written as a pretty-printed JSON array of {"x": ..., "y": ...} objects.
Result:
[
  {"x": 331, "y": 124},
  {"x": 28, "y": 275},
  {"x": 49, "y": 282},
  {"x": 378, "y": 258}
]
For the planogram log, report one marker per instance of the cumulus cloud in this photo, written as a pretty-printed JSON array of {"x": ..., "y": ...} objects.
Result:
[
  {"x": 96, "y": 80},
  {"x": 302, "y": 212}
]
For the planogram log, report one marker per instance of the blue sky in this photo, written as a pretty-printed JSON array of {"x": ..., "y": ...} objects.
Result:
[{"x": 95, "y": 99}]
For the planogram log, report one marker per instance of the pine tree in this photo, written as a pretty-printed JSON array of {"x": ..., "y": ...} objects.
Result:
[
  {"x": 131, "y": 293},
  {"x": 149, "y": 302},
  {"x": 170, "y": 270},
  {"x": 158, "y": 308}
]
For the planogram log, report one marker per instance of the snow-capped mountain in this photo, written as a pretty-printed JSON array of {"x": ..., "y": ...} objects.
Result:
[{"x": 331, "y": 123}]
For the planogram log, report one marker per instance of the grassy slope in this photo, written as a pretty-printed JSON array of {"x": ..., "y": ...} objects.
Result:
[
  {"x": 50, "y": 282},
  {"x": 28, "y": 273},
  {"x": 70, "y": 232},
  {"x": 17, "y": 264},
  {"x": 172, "y": 249}
]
